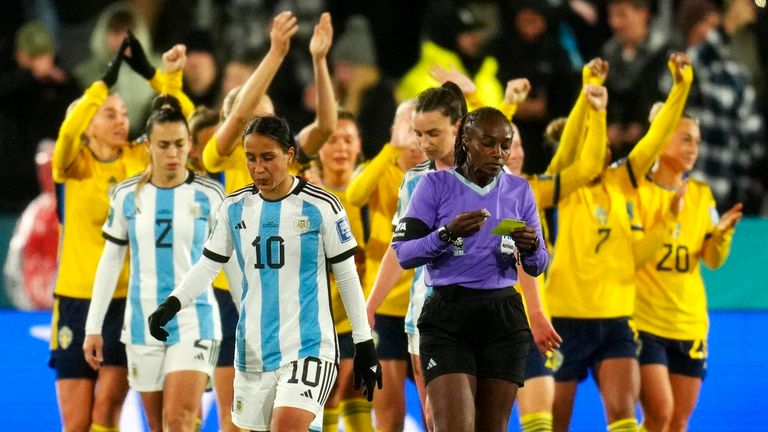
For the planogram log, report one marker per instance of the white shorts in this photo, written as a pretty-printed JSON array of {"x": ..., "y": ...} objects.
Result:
[
  {"x": 304, "y": 384},
  {"x": 413, "y": 343},
  {"x": 148, "y": 364}
]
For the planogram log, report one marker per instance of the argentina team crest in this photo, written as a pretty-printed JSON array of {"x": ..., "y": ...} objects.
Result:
[{"x": 301, "y": 224}]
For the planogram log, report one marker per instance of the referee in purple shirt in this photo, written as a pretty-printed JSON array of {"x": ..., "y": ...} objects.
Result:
[{"x": 474, "y": 331}]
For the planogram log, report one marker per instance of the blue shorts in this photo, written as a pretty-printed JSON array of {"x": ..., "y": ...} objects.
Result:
[
  {"x": 229, "y": 317},
  {"x": 390, "y": 337},
  {"x": 587, "y": 342},
  {"x": 681, "y": 357},
  {"x": 68, "y": 334},
  {"x": 537, "y": 364},
  {"x": 346, "y": 346}
]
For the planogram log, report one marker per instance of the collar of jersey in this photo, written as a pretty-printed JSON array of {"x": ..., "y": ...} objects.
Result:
[
  {"x": 480, "y": 190},
  {"x": 298, "y": 184}
]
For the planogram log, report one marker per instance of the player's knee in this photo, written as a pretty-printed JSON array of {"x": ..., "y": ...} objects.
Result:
[
  {"x": 657, "y": 415},
  {"x": 617, "y": 408},
  {"x": 390, "y": 420},
  {"x": 678, "y": 424},
  {"x": 76, "y": 422},
  {"x": 178, "y": 419}
]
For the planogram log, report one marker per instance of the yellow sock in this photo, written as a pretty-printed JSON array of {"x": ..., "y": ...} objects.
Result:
[
  {"x": 357, "y": 415},
  {"x": 99, "y": 428},
  {"x": 536, "y": 422},
  {"x": 331, "y": 419},
  {"x": 198, "y": 424},
  {"x": 642, "y": 428},
  {"x": 624, "y": 425}
]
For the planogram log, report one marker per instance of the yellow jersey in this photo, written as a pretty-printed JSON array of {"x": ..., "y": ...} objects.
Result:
[
  {"x": 593, "y": 268},
  {"x": 83, "y": 188},
  {"x": 355, "y": 216},
  {"x": 377, "y": 185},
  {"x": 671, "y": 301}
]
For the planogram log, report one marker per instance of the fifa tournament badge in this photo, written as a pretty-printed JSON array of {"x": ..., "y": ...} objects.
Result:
[
  {"x": 458, "y": 246},
  {"x": 194, "y": 210}
]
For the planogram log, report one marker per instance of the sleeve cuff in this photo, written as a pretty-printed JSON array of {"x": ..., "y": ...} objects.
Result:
[
  {"x": 115, "y": 240},
  {"x": 341, "y": 257},
  {"x": 213, "y": 256}
]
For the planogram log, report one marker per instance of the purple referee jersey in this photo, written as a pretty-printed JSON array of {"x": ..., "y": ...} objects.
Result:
[{"x": 482, "y": 260}]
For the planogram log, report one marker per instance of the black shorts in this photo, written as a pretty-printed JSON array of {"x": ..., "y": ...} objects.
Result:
[
  {"x": 682, "y": 357},
  {"x": 68, "y": 334},
  {"x": 390, "y": 337},
  {"x": 536, "y": 364},
  {"x": 483, "y": 333},
  {"x": 229, "y": 317},
  {"x": 346, "y": 346},
  {"x": 587, "y": 342}
]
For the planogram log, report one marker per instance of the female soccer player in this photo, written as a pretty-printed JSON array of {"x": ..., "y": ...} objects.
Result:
[
  {"x": 376, "y": 186},
  {"x": 473, "y": 329},
  {"x": 435, "y": 119},
  {"x": 283, "y": 233},
  {"x": 91, "y": 156},
  {"x": 163, "y": 216},
  {"x": 338, "y": 159},
  {"x": 670, "y": 306},
  {"x": 591, "y": 308}
]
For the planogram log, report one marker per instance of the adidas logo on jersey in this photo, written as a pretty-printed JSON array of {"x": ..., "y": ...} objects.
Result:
[
  {"x": 200, "y": 357},
  {"x": 431, "y": 363},
  {"x": 307, "y": 394},
  {"x": 240, "y": 225}
]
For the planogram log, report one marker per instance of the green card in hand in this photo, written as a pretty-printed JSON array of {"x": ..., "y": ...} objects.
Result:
[{"x": 506, "y": 226}]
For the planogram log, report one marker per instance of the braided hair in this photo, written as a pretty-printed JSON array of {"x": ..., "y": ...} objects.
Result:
[{"x": 469, "y": 120}]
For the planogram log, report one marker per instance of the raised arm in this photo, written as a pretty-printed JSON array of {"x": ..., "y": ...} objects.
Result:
[
  {"x": 663, "y": 125},
  {"x": 365, "y": 183},
  {"x": 313, "y": 136},
  {"x": 515, "y": 93},
  {"x": 174, "y": 61},
  {"x": 227, "y": 135},
  {"x": 591, "y": 157},
  {"x": 717, "y": 246},
  {"x": 593, "y": 73}
]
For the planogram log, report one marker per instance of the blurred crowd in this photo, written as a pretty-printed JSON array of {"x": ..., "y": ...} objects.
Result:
[{"x": 50, "y": 50}]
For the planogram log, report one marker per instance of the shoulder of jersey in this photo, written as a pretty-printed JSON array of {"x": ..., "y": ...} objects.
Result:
[
  {"x": 209, "y": 184},
  {"x": 420, "y": 169},
  {"x": 318, "y": 195},
  {"x": 126, "y": 185}
]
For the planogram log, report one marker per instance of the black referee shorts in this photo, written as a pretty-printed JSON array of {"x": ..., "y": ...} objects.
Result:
[{"x": 481, "y": 332}]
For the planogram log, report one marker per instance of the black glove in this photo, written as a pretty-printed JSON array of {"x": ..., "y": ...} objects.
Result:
[
  {"x": 138, "y": 59},
  {"x": 113, "y": 68},
  {"x": 160, "y": 317},
  {"x": 367, "y": 369}
]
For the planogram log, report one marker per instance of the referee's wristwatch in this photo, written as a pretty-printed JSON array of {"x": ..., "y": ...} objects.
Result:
[{"x": 445, "y": 235}]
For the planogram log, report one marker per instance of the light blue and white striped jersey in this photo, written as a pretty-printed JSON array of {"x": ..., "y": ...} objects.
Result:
[
  {"x": 419, "y": 288},
  {"x": 284, "y": 248},
  {"x": 165, "y": 230}
]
